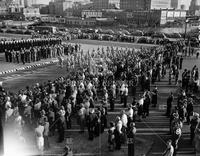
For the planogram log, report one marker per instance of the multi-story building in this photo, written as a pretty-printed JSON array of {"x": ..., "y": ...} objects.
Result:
[
  {"x": 100, "y": 4},
  {"x": 44, "y": 10},
  {"x": 194, "y": 7},
  {"x": 51, "y": 8},
  {"x": 176, "y": 4},
  {"x": 144, "y": 4},
  {"x": 3, "y": 8},
  {"x": 15, "y": 6},
  {"x": 160, "y": 4},
  {"x": 154, "y": 17},
  {"x": 59, "y": 6},
  {"x": 20, "y": 3}
]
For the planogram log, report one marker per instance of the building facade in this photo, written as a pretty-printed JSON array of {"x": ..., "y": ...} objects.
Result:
[
  {"x": 154, "y": 17},
  {"x": 52, "y": 19},
  {"x": 59, "y": 7},
  {"x": 80, "y": 22},
  {"x": 100, "y": 4},
  {"x": 176, "y": 4},
  {"x": 194, "y": 7},
  {"x": 3, "y": 8},
  {"x": 136, "y": 5},
  {"x": 91, "y": 14},
  {"x": 160, "y": 4},
  {"x": 19, "y": 3},
  {"x": 51, "y": 8},
  {"x": 44, "y": 10}
]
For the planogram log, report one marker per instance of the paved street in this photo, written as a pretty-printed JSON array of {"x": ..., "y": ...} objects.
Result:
[
  {"x": 14, "y": 36},
  {"x": 152, "y": 130},
  {"x": 111, "y": 43}
]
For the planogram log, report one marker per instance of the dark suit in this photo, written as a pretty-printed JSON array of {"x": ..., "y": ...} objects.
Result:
[{"x": 91, "y": 125}]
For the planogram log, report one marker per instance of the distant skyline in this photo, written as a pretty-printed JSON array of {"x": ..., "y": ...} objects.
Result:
[
  {"x": 47, "y": 1},
  {"x": 185, "y": 2}
]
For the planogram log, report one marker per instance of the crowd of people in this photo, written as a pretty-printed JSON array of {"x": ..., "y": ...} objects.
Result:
[
  {"x": 102, "y": 76},
  {"x": 33, "y": 50}
]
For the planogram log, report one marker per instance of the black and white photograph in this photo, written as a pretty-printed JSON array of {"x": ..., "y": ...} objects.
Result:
[{"x": 99, "y": 77}]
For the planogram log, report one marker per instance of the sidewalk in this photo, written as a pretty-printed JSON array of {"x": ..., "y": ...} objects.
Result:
[{"x": 6, "y": 67}]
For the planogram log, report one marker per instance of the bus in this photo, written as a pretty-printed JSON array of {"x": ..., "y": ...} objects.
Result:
[{"x": 46, "y": 29}]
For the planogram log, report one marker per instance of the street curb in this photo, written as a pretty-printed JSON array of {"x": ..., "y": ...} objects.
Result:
[{"x": 29, "y": 67}]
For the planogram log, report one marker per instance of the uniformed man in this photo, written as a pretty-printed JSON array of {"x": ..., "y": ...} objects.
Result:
[
  {"x": 169, "y": 104},
  {"x": 17, "y": 56},
  {"x": 7, "y": 55},
  {"x": 10, "y": 55},
  {"x": 22, "y": 56}
]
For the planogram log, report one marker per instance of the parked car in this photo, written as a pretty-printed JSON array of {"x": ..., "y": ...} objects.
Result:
[
  {"x": 142, "y": 40},
  {"x": 149, "y": 33},
  {"x": 109, "y": 32},
  {"x": 137, "y": 33},
  {"x": 158, "y": 36},
  {"x": 126, "y": 32},
  {"x": 173, "y": 35},
  {"x": 18, "y": 31},
  {"x": 10, "y": 31},
  {"x": 107, "y": 37}
]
